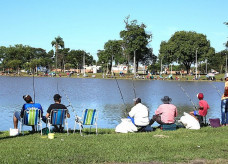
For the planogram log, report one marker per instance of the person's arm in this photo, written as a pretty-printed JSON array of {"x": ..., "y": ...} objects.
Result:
[
  {"x": 22, "y": 110},
  {"x": 47, "y": 115},
  {"x": 131, "y": 113},
  {"x": 176, "y": 112},
  {"x": 48, "y": 111}
]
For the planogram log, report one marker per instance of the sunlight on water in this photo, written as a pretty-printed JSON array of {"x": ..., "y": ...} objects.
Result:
[{"x": 103, "y": 95}]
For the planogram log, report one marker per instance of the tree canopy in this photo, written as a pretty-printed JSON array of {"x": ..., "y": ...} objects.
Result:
[{"x": 183, "y": 47}]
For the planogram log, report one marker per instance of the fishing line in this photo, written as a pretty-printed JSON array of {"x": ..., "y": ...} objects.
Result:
[
  {"x": 73, "y": 110},
  {"x": 120, "y": 93},
  {"x": 218, "y": 91},
  {"x": 187, "y": 96},
  {"x": 133, "y": 87}
]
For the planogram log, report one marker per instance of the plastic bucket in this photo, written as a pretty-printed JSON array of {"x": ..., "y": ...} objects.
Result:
[{"x": 51, "y": 135}]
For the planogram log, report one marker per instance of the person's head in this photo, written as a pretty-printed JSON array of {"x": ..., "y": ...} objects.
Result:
[
  {"x": 57, "y": 98},
  {"x": 200, "y": 96},
  {"x": 226, "y": 77},
  {"x": 27, "y": 98},
  {"x": 166, "y": 99},
  {"x": 137, "y": 100}
]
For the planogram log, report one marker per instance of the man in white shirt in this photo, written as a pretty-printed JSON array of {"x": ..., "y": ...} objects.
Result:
[{"x": 139, "y": 114}]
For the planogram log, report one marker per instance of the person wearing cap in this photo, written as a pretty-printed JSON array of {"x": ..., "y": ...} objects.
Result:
[
  {"x": 224, "y": 103},
  {"x": 57, "y": 105},
  {"x": 139, "y": 114},
  {"x": 28, "y": 105},
  {"x": 165, "y": 113},
  {"x": 203, "y": 107}
]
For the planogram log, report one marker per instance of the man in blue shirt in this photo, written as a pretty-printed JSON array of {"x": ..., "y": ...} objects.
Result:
[{"x": 29, "y": 104}]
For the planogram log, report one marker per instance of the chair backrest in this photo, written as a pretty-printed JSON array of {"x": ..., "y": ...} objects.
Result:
[
  {"x": 31, "y": 116},
  {"x": 89, "y": 116},
  {"x": 58, "y": 116}
]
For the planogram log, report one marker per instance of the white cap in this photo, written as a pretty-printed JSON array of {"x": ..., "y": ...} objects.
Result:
[{"x": 226, "y": 75}]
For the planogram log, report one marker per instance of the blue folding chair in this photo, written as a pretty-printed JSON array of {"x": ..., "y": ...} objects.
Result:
[
  {"x": 89, "y": 118},
  {"x": 31, "y": 117},
  {"x": 58, "y": 117}
]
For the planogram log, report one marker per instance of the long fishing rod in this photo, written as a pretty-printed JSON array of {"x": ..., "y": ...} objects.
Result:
[
  {"x": 33, "y": 83},
  {"x": 187, "y": 96},
  {"x": 133, "y": 87},
  {"x": 218, "y": 91},
  {"x": 120, "y": 93}
]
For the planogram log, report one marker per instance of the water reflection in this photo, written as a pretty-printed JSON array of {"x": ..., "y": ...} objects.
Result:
[{"x": 103, "y": 95}]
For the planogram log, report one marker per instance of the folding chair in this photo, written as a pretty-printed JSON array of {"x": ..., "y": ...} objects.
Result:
[
  {"x": 89, "y": 118},
  {"x": 32, "y": 117},
  {"x": 58, "y": 117}
]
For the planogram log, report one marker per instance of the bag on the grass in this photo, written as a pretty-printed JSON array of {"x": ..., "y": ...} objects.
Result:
[
  {"x": 126, "y": 126},
  {"x": 13, "y": 132},
  {"x": 214, "y": 122}
]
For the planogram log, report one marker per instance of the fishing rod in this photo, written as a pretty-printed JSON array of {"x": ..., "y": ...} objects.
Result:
[
  {"x": 133, "y": 87},
  {"x": 187, "y": 96},
  {"x": 120, "y": 93},
  {"x": 33, "y": 82},
  {"x": 218, "y": 91}
]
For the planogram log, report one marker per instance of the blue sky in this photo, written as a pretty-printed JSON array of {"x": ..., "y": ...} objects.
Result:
[{"x": 88, "y": 24}]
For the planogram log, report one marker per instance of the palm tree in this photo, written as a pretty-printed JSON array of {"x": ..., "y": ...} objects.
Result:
[{"x": 58, "y": 43}]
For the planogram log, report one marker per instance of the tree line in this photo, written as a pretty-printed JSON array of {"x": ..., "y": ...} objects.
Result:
[
  {"x": 183, "y": 49},
  {"x": 26, "y": 57}
]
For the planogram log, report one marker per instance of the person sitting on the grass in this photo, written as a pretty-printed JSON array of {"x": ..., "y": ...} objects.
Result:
[
  {"x": 29, "y": 104},
  {"x": 166, "y": 113},
  {"x": 57, "y": 105},
  {"x": 139, "y": 114},
  {"x": 203, "y": 107}
]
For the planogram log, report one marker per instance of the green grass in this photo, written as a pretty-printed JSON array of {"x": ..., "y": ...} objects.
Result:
[{"x": 182, "y": 146}]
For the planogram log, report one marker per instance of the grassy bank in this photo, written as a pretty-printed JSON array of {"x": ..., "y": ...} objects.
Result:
[{"x": 207, "y": 145}]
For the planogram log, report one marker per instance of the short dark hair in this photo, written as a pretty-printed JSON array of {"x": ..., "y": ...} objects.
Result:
[{"x": 57, "y": 97}]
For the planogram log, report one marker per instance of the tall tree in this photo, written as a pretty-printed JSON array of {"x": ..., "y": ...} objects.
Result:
[
  {"x": 136, "y": 40},
  {"x": 183, "y": 47},
  {"x": 57, "y": 43}
]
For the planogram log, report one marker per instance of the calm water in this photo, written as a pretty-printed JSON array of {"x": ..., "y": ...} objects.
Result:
[{"x": 103, "y": 95}]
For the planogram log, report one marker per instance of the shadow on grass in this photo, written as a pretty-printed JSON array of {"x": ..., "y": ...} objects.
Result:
[{"x": 20, "y": 135}]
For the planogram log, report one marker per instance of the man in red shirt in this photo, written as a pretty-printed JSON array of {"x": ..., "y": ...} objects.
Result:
[{"x": 203, "y": 107}]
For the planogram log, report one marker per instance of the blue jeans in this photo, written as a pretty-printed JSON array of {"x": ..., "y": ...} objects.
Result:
[{"x": 224, "y": 112}]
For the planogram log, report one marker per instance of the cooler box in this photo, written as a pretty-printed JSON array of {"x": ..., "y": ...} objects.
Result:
[{"x": 169, "y": 127}]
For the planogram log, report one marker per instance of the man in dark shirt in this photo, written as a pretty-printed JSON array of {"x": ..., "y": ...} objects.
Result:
[{"x": 57, "y": 105}]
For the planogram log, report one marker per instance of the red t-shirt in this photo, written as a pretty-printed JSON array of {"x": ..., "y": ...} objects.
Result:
[{"x": 205, "y": 106}]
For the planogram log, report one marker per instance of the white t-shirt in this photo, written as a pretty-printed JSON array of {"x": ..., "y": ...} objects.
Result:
[{"x": 140, "y": 113}]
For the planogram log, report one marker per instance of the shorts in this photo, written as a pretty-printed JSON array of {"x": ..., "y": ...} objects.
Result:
[
  {"x": 17, "y": 115},
  {"x": 196, "y": 112}
]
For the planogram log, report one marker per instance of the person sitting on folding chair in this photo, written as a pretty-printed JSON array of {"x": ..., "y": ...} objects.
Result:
[
  {"x": 139, "y": 115},
  {"x": 57, "y": 105},
  {"x": 29, "y": 104},
  {"x": 203, "y": 107}
]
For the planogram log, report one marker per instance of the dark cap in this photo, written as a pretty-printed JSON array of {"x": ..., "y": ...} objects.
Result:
[
  {"x": 27, "y": 98},
  {"x": 166, "y": 99},
  {"x": 57, "y": 97}
]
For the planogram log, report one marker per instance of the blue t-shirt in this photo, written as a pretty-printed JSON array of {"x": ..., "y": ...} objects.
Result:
[{"x": 33, "y": 105}]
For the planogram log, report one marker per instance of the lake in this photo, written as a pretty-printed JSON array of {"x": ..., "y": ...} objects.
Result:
[{"x": 103, "y": 95}]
